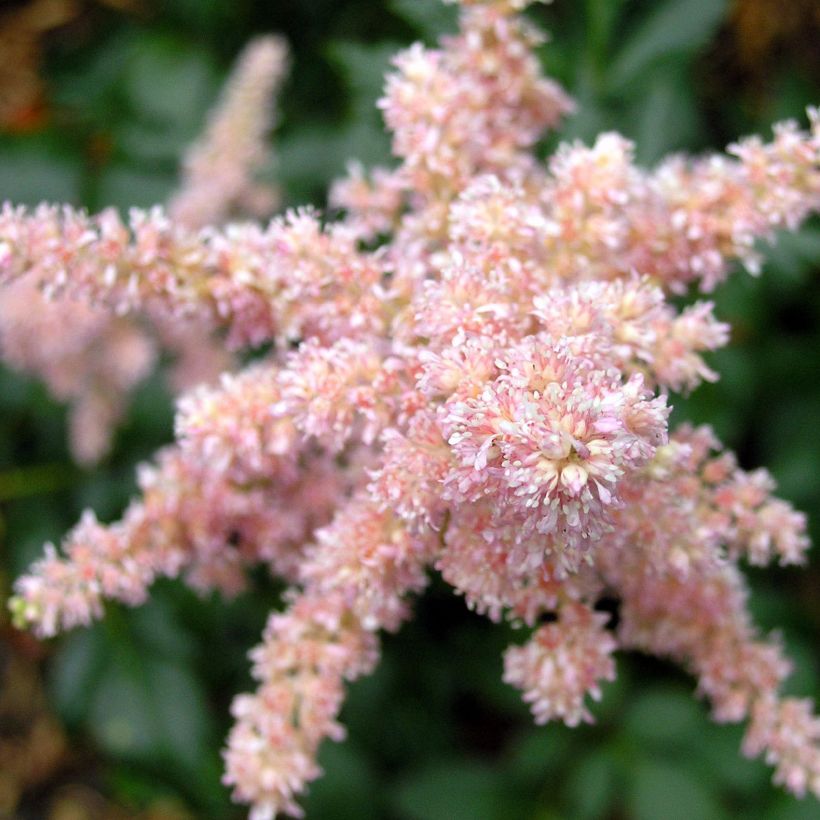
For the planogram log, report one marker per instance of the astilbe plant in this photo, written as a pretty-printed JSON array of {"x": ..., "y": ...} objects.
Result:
[
  {"x": 92, "y": 357},
  {"x": 469, "y": 372}
]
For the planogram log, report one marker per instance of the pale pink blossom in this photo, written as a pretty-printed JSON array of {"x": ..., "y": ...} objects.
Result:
[
  {"x": 219, "y": 169},
  {"x": 562, "y": 663},
  {"x": 307, "y": 655},
  {"x": 372, "y": 206},
  {"x": 85, "y": 356},
  {"x": 628, "y": 323},
  {"x": 334, "y": 392},
  {"x": 551, "y": 439},
  {"x": 413, "y": 467},
  {"x": 787, "y": 733},
  {"x": 94, "y": 360}
]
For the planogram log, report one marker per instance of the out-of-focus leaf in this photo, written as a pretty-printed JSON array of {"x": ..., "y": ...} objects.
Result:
[
  {"x": 106, "y": 490},
  {"x": 673, "y": 27},
  {"x": 450, "y": 791},
  {"x": 721, "y": 762},
  {"x": 601, "y": 16},
  {"x": 592, "y": 785},
  {"x": 793, "y": 256},
  {"x": 35, "y": 480},
  {"x": 159, "y": 631},
  {"x": 787, "y": 449},
  {"x": 93, "y": 86},
  {"x": 152, "y": 144},
  {"x": 348, "y": 787},
  {"x": 538, "y": 753},
  {"x": 125, "y": 187},
  {"x": 791, "y": 93},
  {"x": 30, "y": 523},
  {"x": 662, "y": 789},
  {"x": 364, "y": 68},
  {"x": 804, "y": 679},
  {"x": 150, "y": 417},
  {"x": 122, "y": 716},
  {"x": 207, "y": 16},
  {"x": 139, "y": 697},
  {"x": 665, "y": 116},
  {"x": 135, "y": 787},
  {"x": 169, "y": 86},
  {"x": 786, "y": 807},
  {"x": 170, "y": 80},
  {"x": 180, "y": 710},
  {"x": 151, "y": 709},
  {"x": 75, "y": 670},
  {"x": 430, "y": 17},
  {"x": 665, "y": 718},
  {"x": 586, "y": 122},
  {"x": 35, "y": 172}
]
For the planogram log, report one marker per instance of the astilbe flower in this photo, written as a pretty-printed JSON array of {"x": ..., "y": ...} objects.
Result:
[
  {"x": 484, "y": 391},
  {"x": 83, "y": 354},
  {"x": 219, "y": 170},
  {"x": 92, "y": 359},
  {"x": 563, "y": 663}
]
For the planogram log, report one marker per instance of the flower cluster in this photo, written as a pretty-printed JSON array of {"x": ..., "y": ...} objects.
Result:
[
  {"x": 483, "y": 392},
  {"x": 94, "y": 359},
  {"x": 219, "y": 171}
]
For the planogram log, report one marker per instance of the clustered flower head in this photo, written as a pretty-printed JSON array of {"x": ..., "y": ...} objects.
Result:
[
  {"x": 484, "y": 393},
  {"x": 92, "y": 358},
  {"x": 219, "y": 170}
]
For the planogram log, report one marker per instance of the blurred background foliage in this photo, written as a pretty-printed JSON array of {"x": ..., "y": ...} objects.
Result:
[{"x": 125, "y": 720}]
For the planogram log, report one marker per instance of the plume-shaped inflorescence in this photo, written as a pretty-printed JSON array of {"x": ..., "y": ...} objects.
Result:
[
  {"x": 92, "y": 358},
  {"x": 482, "y": 392}
]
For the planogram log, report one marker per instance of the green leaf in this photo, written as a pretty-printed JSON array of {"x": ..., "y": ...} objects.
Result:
[
  {"x": 450, "y": 791},
  {"x": 787, "y": 807},
  {"x": 181, "y": 712},
  {"x": 35, "y": 172},
  {"x": 539, "y": 753},
  {"x": 431, "y": 18},
  {"x": 666, "y": 718},
  {"x": 209, "y": 17},
  {"x": 126, "y": 187},
  {"x": 664, "y": 790},
  {"x": 158, "y": 630},
  {"x": 75, "y": 671},
  {"x": 793, "y": 257},
  {"x": 169, "y": 80},
  {"x": 804, "y": 679},
  {"x": 665, "y": 116},
  {"x": 122, "y": 716},
  {"x": 144, "y": 707},
  {"x": 92, "y": 87},
  {"x": 34, "y": 480},
  {"x": 31, "y": 522},
  {"x": 347, "y": 789},
  {"x": 364, "y": 68},
  {"x": 310, "y": 157},
  {"x": 721, "y": 761},
  {"x": 601, "y": 16},
  {"x": 672, "y": 28},
  {"x": 592, "y": 786},
  {"x": 590, "y": 118},
  {"x": 150, "y": 710}
]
